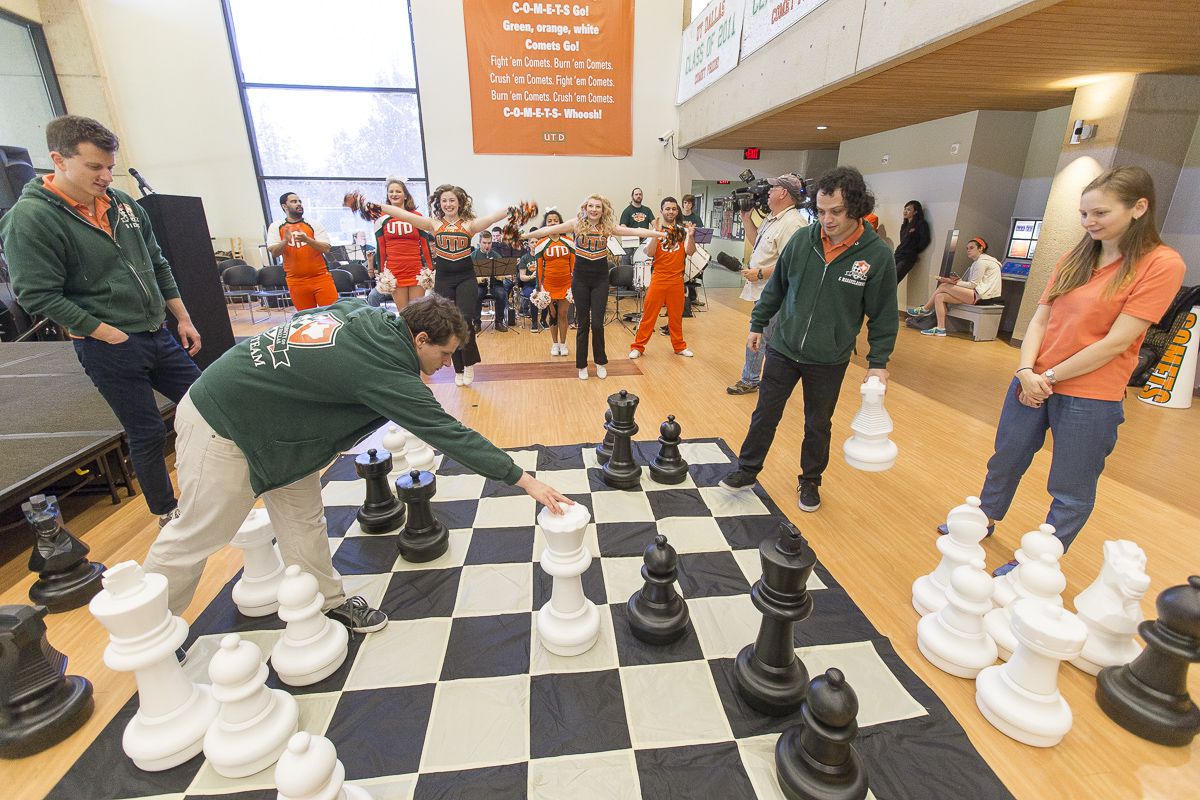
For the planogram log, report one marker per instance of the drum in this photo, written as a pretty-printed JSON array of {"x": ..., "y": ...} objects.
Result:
[{"x": 695, "y": 264}]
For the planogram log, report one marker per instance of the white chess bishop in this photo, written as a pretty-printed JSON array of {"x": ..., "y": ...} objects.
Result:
[
  {"x": 954, "y": 639},
  {"x": 312, "y": 646},
  {"x": 1034, "y": 545},
  {"x": 395, "y": 442},
  {"x": 418, "y": 454},
  {"x": 1042, "y": 581},
  {"x": 309, "y": 769},
  {"x": 869, "y": 448},
  {"x": 173, "y": 713},
  {"x": 569, "y": 624},
  {"x": 256, "y": 592},
  {"x": 967, "y": 527},
  {"x": 1111, "y": 608}
]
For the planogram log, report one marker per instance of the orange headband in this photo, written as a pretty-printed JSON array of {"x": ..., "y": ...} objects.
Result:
[{"x": 981, "y": 242}]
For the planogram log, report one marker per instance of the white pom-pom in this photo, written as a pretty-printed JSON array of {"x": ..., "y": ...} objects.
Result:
[
  {"x": 570, "y": 297},
  {"x": 540, "y": 299},
  {"x": 386, "y": 282},
  {"x": 425, "y": 278}
]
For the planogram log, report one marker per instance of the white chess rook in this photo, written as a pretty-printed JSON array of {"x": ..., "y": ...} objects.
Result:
[
  {"x": 309, "y": 769},
  {"x": 1042, "y": 580},
  {"x": 312, "y": 646},
  {"x": 256, "y": 591},
  {"x": 954, "y": 639},
  {"x": 569, "y": 624},
  {"x": 1021, "y": 698},
  {"x": 1034, "y": 545},
  {"x": 967, "y": 526},
  {"x": 418, "y": 454},
  {"x": 1111, "y": 608},
  {"x": 869, "y": 448},
  {"x": 173, "y": 713},
  {"x": 395, "y": 442}
]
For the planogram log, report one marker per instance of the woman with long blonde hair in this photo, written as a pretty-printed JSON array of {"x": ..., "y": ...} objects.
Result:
[
  {"x": 1080, "y": 349},
  {"x": 401, "y": 249}
]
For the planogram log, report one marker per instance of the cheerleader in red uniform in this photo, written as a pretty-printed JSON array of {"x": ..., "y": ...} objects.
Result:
[
  {"x": 555, "y": 259},
  {"x": 401, "y": 248}
]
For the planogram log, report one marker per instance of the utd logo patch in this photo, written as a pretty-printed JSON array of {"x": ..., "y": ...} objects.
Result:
[
  {"x": 304, "y": 330},
  {"x": 856, "y": 274}
]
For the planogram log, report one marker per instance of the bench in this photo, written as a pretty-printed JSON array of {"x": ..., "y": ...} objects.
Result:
[{"x": 984, "y": 319}]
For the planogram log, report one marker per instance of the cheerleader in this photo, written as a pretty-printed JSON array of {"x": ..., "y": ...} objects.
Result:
[
  {"x": 401, "y": 248},
  {"x": 666, "y": 281},
  {"x": 555, "y": 257}
]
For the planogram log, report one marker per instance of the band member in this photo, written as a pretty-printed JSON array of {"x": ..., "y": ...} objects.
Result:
[
  {"x": 401, "y": 247},
  {"x": 666, "y": 279}
]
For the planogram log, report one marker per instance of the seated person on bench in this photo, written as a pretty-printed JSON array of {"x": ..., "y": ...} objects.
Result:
[{"x": 979, "y": 285}]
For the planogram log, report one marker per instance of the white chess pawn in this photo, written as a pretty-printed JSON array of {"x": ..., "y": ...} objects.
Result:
[
  {"x": 1021, "y": 698},
  {"x": 569, "y": 624},
  {"x": 395, "y": 442},
  {"x": 967, "y": 526},
  {"x": 869, "y": 448},
  {"x": 309, "y": 769},
  {"x": 1033, "y": 545},
  {"x": 419, "y": 455},
  {"x": 173, "y": 713},
  {"x": 312, "y": 646},
  {"x": 256, "y": 591},
  {"x": 954, "y": 639},
  {"x": 255, "y": 723},
  {"x": 1041, "y": 580},
  {"x": 1111, "y": 608}
]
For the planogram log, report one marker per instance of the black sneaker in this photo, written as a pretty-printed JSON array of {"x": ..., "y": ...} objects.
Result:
[
  {"x": 664, "y": 330},
  {"x": 739, "y": 479},
  {"x": 741, "y": 387},
  {"x": 356, "y": 615},
  {"x": 181, "y": 655},
  {"x": 810, "y": 495},
  {"x": 500, "y": 326}
]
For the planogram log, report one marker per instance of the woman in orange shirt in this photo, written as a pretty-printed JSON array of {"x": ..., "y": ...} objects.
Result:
[
  {"x": 555, "y": 257},
  {"x": 1080, "y": 349},
  {"x": 401, "y": 249}
]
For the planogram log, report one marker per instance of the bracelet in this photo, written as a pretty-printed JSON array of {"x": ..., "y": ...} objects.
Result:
[
  {"x": 1022, "y": 369},
  {"x": 760, "y": 273}
]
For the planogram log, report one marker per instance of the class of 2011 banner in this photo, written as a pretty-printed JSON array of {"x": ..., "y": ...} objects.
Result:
[{"x": 551, "y": 78}]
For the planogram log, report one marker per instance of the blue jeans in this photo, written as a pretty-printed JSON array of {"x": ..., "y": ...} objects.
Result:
[
  {"x": 753, "y": 367},
  {"x": 377, "y": 298},
  {"x": 1085, "y": 432},
  {"x": 127, "y": 375}
]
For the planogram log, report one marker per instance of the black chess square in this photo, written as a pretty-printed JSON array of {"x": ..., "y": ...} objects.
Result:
[
  {"x": 449, "y": 466},
  {"x": 501, "y": 546},
  {"x": 222, "y": 616},
  {"x": 338, "y": 519},
  {"x": 677, "y": 503},
  {"x": 835, "y": 619},
  {"x": 593, "y": 585},
  {"x": 506, "y": 782},
  {"x": 710, "y": 575},
  {"x": 702, "y": 770},
  {"x": 342, "y": 469},
  {"x": 580, "y": 712},
  {"x": 710, "y": 474},
  {"x": 367, "y": 555},
  {"x": 381, "y": 731},
  {"x": 455, "y": 514},
  {"x": 743, "y": 719},
  {"x": 625, "y": 538},
  {"x": 748, "y": 532},
  {"x": 485, "y": 647},
  {"x": 562, "y": 457},
  {"x": 493, "y": 488},
  {"x": 417, "y": 594},
  {"x": 249, "y": 794},
  {"x": 633, "y": 652},
  {"x": 332, "y": 683}
]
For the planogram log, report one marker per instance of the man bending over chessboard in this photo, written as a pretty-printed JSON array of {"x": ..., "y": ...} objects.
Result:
[{"x": 269, "y": 414}]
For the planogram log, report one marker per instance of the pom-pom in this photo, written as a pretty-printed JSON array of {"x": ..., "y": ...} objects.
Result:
[
  {"x": 675, "y": 235},
  {"x": 425, "y": 279},
  {"x": 386, "y": 282},
  {"x": 518, "y": 215},
  {"x": 358, "y": 203},
  {"x": 540, "y": 299},
  {"x": 570, "y": 297}
]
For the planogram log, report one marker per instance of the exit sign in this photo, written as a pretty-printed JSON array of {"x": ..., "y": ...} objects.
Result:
[
  {"x": 722, "y": 182},
  {"x": 750, "y": 154}
]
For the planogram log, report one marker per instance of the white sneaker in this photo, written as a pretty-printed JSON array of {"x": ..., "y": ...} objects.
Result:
[
  {"x": 635, "y": 353},
  {"x": 562, "y": 348},
  {"x": 684, "y": 352},
  {"x": 583, "y": 376},
  {"x": 468, "y": 375},
  {"x": 458, "y": 379},
  {"x": 554, "y": 349},
  {"x": 601, "y": 371}
]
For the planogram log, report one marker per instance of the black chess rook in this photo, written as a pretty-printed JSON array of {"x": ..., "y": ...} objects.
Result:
[
  {"x": 770, "y": 677},
  {"x": 604, "y": 449},
  {"x": 668, "y": 466},
  {"x": 657, "y": 614},
  {"x": 66, "y": 579},
  {"x": 424, "y": 537},
  {"x": 381, "y": 512},
  {"x": 620, "y": 471},
  {"x": 816, "y": 759}
]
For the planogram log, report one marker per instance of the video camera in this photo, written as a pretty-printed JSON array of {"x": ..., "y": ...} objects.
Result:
[{"x": 754, "y": 194}]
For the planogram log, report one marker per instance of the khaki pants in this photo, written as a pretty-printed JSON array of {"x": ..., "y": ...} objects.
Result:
[{"x": 215, "y": 498}]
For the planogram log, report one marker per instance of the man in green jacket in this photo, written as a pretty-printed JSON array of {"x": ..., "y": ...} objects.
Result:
[
  {"x": 269, "y": 414},
  {"x": 829, "y": 276},
  {"x": 82, "y": 253}
]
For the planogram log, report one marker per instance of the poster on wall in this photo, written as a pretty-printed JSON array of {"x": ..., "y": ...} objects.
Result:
[
  {"x": 551, "y": 78},
  {"x": 766, "y": 19},
  {"x": 710, "y": 46}
]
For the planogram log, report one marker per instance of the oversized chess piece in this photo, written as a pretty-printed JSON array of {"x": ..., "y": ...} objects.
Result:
[
  {"x": 569, "y": 624},
  {"x": 254, "y": 723},
  {"x": 668, "y": 466},
  {"x": 381, "y": 512},
  {"x": 604, "y": 449},
  {"x": 309, "y": 769},
  {"x": 1112, "y": 608},
  {"x": 869, "y": 448},
  {"x": 419, "y": 455},
  {"x": 657, "y": 614},
  {"x": 257, "y": 590},
  {"x": 395, "y": 441},
  {"x": 1034, "y": 544},
  {"x": 40, "y": 705},
  {"x": 1021, "y": 698},
  {"x": 1149, "y": 696},
  {"x": 66, "y": 579},
  {"x": 312, "y": 646},
  {"x": 967, "y": 526},
  {"x": 954, "y": 639},
  {"x": 770, "y": 677},
  {"x": 424, "y": 537},
  {"x": 816, "y": 759},
  {"x": 620, "y": 471},
  {"x": 1042, "y": 581},
  {"x": 173, "y": 713}
]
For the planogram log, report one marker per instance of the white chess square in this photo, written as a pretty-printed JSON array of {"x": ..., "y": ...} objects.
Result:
[
  {"x": 602, "y": 655},
  {"x": 455, "y": 555},
  {"x": 693, "y": 534},
  {"x": 405, "y": 653},
  {"x": 477, "y": 722},
  {"x": 505, "y": 512},
  {"x": 623, "y": 577},
  {"x": 494, "y": 589},
  {"x": 344, "y": 493},
  {"x": 670, "y": 705},
  {"x": 567, "y": 481},
  {"x": 589, "y": 541},
  {"x": 459, "y": 487},
  {"x": 205, "y": 647},
  {"x": 881, "y": 697},
  {"x": 388, "y": 787},
  {"x": 758, "y": 759},
  {"x": 751, "y": 566},
  {"x": 371, "y": 587},
  {"x": 651, "y": 485},
  {"x": 609, "y": 775},
  {"x": 732, "y": 502},
  {"x": 620, "y": 506},
  {"x": 724, "y": 625},
  {"x": 702, "y": 453},
  {"x": 589, "y": 458},
  {"x": 526, "y": 459}
]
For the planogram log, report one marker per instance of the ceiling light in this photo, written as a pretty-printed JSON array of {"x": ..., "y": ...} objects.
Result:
[{"x": 822, "y": 127}]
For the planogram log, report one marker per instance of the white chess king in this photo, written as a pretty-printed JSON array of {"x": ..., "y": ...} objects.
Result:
[{"x": 870, "y": 449}]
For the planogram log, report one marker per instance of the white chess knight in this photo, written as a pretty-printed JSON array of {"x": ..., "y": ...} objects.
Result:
[
  {"x": 256, "y": 591},
  {"x": 569, "y": 624},
  {"x": 967, "y": 526},
  {"x": 1021, "y": 698},
  {"x": 395, "y": 441},
  {"x": 1034, "y": 545},
  {"x": 418, "y": 454},
  {"x": 309, "y": 769},
  {"x": 870, "y": 449},
  {"x": 254, "y": 723},
  {"x": 173, "y": 713},
  {"x": 312, "y": 646},
  {"x": 1042, "y": 580},
  {"x": 1111, "y": 608},
  {"x": 954, "y": 639}
]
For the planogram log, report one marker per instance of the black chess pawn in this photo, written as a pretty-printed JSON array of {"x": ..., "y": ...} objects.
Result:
[
  {"x": 657, "y": 614},
  {"x": 66, "y": 579},
  {"x": 424, "y": 537},
  {"x": 40, "y": 705},
  {"x": 604, "y": 449},
  {"x": 381, "y": 512},
  {"x": 668, "y": 466},
  {"x": 816, "y": 759},
  {"x": 620, "y": 471},
  {"x": 770, "y": 677},
  {"x": 1149, "y": 695}
]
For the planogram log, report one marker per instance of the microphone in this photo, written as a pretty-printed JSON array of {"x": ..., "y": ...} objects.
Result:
[
  {"x": 141, "y": 182},
  {"x": 724, "y": 259}
]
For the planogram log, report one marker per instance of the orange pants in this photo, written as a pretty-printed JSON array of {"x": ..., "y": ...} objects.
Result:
[
  {"x": 312, "y": 292},
  {"x": 659, "y": 294}
]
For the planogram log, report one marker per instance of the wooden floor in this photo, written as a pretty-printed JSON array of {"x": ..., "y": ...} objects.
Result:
[{"x": 875, "y": 532}]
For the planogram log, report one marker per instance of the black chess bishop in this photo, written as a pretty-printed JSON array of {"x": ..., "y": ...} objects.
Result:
[
  {"x": 816, "y": 759},
  {"x": 657, "y": 614},
  {"x": 604, "y": 449},
  {"x": 668, "y": 466}
]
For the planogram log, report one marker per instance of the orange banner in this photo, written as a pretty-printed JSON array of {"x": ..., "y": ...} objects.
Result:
[{"x": 551, "y": 78}]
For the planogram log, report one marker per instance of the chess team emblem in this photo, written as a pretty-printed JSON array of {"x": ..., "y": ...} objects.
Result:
[
  {"x": 304, "y": 330},
  {"x": 857, "y": 274}
]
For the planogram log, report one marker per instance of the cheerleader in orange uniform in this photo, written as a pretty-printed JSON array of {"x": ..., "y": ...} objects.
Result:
[
  {"x": 555, "y": 257},
  {"x": 666, "y": 281},
  {"x": 401, "y": 247}
]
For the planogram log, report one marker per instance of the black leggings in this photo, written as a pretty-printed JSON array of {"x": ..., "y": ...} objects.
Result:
[
  {"x": 589, "y": 287},
  {"x": 904, "y": 265},
  {"x": 458, "y": 284}
]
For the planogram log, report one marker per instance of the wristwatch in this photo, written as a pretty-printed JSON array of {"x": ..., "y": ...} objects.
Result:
[{"x": 1049, "y": 375}]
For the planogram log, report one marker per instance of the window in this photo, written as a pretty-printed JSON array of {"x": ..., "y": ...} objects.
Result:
[
  {"x": 29, "y": 92},
  {"x": 331, "y": 103}
]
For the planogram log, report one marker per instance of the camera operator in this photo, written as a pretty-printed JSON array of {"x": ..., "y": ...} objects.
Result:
[{"x": 784, "y": 196}]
